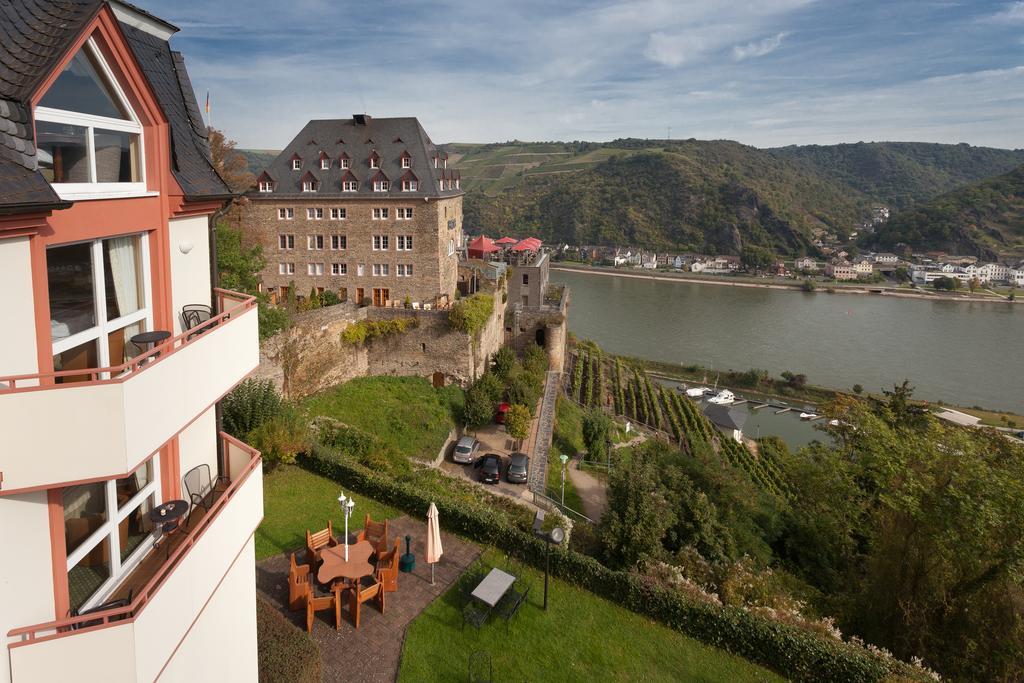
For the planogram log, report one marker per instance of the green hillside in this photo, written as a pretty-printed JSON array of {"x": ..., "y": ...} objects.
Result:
[
  {"x": 900, "y": 174},
  {"x": 985, "y": 219},
  {"x": 258, "y": 159},
  {"x": 716, "y": 195}
]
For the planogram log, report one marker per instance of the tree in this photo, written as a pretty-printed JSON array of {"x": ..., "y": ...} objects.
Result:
[
  {"x": 478, "y": 409},
  {"x": 948, "y": 284},
  {"x": 857, "y": 389},
  {"x": 638, "y": 513},
  {"x": 517, "y": 421},
  {"x": 757, "y": 258},
  {"x": 239, "y": 267},
  {"x": 504, "y": 359},
  {"x": 901, "y": 274},
  {"x": 596, "y": 428},
  {"x": 523, "y": 387},
  {"x": 808, "y": 286},
  {"x": 281, "y": 438},
  {"x": 797, "y": 381},
  {"x": 229, "y": 162},
  {"x": 491, "y": 385}
]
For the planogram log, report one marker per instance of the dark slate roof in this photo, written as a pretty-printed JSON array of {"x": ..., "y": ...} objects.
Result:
[
  {"x": 190, "y": 148},
  {"x": 34, "y": 35},
  {"x": 724, "y": 416},
  {"x": 390, "y": 138}
]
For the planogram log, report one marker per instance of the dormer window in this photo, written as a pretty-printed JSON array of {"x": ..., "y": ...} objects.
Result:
[
  {"x": 88, "y": 139},
  {"x": 381, "y": 185},
  {"x": 374, "y": 160},
  {"x": 435, "y": 161},
  {"x": 345, "y": 161},
  {"x": 406, "y": 159},
  {"x": 309, "y": 182},
  {"x": 265, "y": 183},
  {"x": 325, "y": 161},
  {"x": 457, "y": 184},
  {"x": 296, "y": 163},
  {"x": 349, "y": 183}
]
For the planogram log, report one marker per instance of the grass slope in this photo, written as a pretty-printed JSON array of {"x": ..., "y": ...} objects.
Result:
[
  {"x": 407, "y": 414},
  {"x": 580, "y": 638}
]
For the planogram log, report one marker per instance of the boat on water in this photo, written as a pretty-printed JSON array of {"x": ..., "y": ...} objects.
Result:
[
  {"x": 697, "y": 392},
  {"x": 808, "y": 416},
  {"x": 723, "y": 398},
  {"x": 833, "y": 423}
]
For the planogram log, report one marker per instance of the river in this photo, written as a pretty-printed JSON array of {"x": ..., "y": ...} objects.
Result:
[{"x": 969, "y": 353}]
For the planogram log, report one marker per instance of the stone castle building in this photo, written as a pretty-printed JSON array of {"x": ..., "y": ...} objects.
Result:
[{"x": 366, "y": 208}]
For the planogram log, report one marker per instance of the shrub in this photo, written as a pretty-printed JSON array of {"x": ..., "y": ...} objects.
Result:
[
  {"x": 359, "y": 333},
  {"x": 535, "y": 360},
  {"x": 808, "y": 286},
  {"x": 596, "y": 429},
  {"x": 252, "y": 403},
  {"x": 478, "y": 409},
  {"x": 281, "y": 438},
  {"x": 517, "y": 421},
  {"x": 491, "y": 385},
  {"x": 504, "y": 359},
  {"x": 794, "y": 653},
  {"x": 286, "y": 653},
  {"x": 271, "y": 320},
  {"x": 470, "y": 315},
  {"x": 329, "y": 298},
  {"x": 523, "y": 388}
]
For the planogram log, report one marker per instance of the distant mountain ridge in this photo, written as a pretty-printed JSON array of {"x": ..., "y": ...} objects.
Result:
[{"x": 714, "y": 195}]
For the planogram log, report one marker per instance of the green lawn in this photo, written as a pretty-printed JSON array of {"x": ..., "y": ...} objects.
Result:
[
  {"x": 407, "y": 414},
  {"x": 295, "y": 500},
  {"x": 580, "y": 638}
]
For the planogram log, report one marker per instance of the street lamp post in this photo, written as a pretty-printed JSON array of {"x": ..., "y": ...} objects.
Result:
[
  {"x": 565, "y": 459},
  {"x": 556, "y": 536},
  {"x": 347, "y": 504}
]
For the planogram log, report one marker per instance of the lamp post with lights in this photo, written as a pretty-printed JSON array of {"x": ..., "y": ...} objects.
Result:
[{"x": 347, "y": 504}]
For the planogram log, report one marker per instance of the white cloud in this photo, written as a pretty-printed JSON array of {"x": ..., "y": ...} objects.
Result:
[
  {"x": 673, "y": 50},
  {"x": 1011, "y": 14},
  {"x": 758, "y": 48}
]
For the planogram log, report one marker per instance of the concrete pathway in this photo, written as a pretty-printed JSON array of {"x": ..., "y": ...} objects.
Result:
[
  {"x": 541, "y": 436},
  {"x": 592, "y": 492},
  {"x": 373, "y": 652}
]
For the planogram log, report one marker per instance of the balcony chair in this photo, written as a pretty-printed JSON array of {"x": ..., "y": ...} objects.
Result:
[
  {"x": 387, "y": 569},
  {"x": 298, "y": 575},
  {"x": 193, "y": 316},
  {"x": 315, "y": 542},
  {"x": 364, "y": 592},
  {"x": 314, "y": 601},
  {"x": 199, "y": 486},
  {"x": 110, "y": 604},
  {"x": 376, "y": 533}
]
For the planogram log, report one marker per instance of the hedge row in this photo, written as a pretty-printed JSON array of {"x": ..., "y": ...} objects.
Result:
[
  {"x": 286, "y": 652},
  {"x": 797, "y": 654}
]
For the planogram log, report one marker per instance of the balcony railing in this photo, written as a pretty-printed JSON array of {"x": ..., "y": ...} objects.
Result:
[
  {"x": 54, "y": 434},
  {"x": 168, "y": 603},
  {"x": 228, "y": 303}
]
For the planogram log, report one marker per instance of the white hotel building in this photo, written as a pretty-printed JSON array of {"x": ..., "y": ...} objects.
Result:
[{"x": 106, "y": 196}]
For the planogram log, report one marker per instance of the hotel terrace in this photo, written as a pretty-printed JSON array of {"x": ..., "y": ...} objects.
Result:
[{"x": 127, "y": 518}]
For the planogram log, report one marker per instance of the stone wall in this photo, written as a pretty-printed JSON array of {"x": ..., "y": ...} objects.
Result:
[
  {"x": 546, "y": 325},
  {"x": 310, "y": 356}
]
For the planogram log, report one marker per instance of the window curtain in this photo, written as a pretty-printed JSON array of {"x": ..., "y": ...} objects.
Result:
[{"x": 124, "y": 273}]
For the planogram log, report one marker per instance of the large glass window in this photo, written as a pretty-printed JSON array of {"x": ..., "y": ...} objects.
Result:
[
  {"x": 88, "y": 138},
  {"x": 99, "y": 300},
  {"x": 107, "y": 530}
]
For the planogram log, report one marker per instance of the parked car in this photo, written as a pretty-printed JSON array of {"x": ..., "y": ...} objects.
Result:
[
  {"x": 490, "y": 467},
  {"x": 518, "y": 468},
  {"x": 465, "y": 450},
  {"x": 499, "y": 417}
]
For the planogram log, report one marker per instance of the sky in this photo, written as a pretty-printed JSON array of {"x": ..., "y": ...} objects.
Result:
[{"x": 763, "y": 72}]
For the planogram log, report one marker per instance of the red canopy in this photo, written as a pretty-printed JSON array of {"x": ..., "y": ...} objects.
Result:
[
  {"x": 483, "y": 245},
  {"x": 506, "y": 240},
  {"x": 525, "y": 245}
]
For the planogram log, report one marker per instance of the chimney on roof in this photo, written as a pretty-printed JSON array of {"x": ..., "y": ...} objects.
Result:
[{"x": 361, "y": 119}]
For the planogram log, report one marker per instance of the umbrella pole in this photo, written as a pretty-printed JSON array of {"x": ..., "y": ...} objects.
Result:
[{"x": 432, "y": 573}]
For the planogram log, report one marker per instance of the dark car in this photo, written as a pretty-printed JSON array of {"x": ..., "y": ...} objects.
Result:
[
  {"x": 518, "y": 468},
  {"x": 499, "y": 416},
  {"x": 490, "y": 467}
]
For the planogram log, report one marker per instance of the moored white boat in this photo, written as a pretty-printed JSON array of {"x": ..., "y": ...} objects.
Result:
[
  {"x": 697, "y": 392},
  {"x": 722, "y": 398},
  {"x": 808, "y": 416}
]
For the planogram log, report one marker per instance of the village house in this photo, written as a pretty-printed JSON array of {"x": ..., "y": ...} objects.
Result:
[
  {"x": 365, "y": 208},
  {"x": 806, "y": 263},
  {"x": 841, "y": 269},
  {"x": 128, "y": 519}
]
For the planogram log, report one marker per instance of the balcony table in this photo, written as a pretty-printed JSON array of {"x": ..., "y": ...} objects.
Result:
[
  {"x": 335, "y": 567},
  {"x": 150, "y": 338},
  {"x": 167, "y": 517},
  {"x": 493, "y": 587}
]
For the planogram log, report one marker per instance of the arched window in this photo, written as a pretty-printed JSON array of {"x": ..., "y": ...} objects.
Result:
[{"x": 88, "y": 139}]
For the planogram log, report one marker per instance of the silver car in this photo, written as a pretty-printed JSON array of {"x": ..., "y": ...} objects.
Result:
[
  {"x": 465, "y": 450},
  {"x": 518, "y": 468}
]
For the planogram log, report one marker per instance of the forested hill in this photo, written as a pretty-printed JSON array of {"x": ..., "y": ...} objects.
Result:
[
  {"x": 985, "y": 219},
  {"x": 716, "y": 196},
  {"x": 900, "y": 174}
]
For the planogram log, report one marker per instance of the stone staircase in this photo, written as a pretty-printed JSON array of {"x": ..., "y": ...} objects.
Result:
[{"x": 545, "y": 428}]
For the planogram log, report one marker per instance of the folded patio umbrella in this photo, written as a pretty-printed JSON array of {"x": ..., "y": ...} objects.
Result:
[{"x": 434, "y": 550}]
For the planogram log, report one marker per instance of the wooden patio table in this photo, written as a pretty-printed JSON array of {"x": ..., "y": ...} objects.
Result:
[{"x": 335, "y": 567}]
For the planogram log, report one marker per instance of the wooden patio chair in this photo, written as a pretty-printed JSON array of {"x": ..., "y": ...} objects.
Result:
[
  {"x": 298, "y": 575},
  {"x": 376, "y": 533},
  {"x": 315, "y": 542},
  {"x": 361, "y": 593},
  {"x": 387, "y": 569},
  {"x": 315, "y": 602}
]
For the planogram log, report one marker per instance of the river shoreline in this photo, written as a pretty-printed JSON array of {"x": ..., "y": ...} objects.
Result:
[{"x": 838, "y": 289}]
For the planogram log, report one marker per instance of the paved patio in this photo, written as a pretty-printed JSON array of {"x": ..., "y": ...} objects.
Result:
[{"x": 372, "y": 653}]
